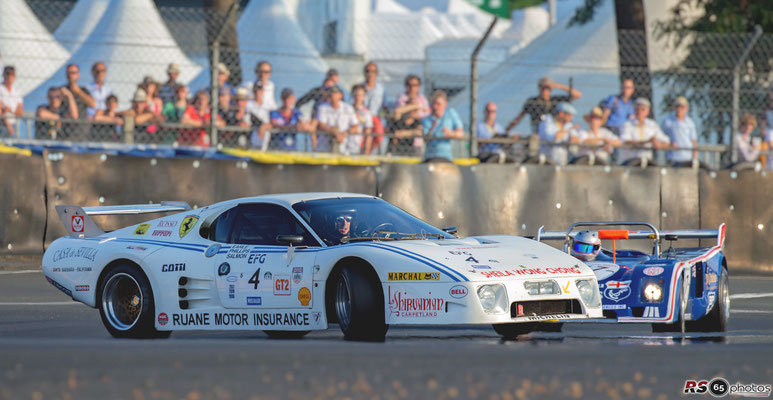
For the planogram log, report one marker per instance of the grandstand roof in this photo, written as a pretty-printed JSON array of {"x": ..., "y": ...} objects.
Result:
[{"x": 79, "y": 23}]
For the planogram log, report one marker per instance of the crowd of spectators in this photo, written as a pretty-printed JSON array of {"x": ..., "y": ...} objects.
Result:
[{"x": 355, "y": 121}]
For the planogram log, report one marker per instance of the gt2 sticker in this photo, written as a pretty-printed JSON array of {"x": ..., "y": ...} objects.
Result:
[
  {"x": 617, "y": 290},
  {"x": 282, "y": 285}
]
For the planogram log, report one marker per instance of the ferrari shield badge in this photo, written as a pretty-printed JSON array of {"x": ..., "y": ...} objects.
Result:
[{"x": 188, "y": 223}]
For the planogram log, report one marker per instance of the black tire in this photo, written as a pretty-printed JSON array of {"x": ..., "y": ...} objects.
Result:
[
  {"x": 716, "y": 319},
  {"x": 680, "y": 325},
  {"x": 286, "y": 334},
  {"x": 126, "y": 304},
  {"x": 359, "y": 305},
  {"x": 512, "y": 330}
]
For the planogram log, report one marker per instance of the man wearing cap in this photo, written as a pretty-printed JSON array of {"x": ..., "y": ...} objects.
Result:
[
  {"x": 619, "y": 108},
  {"x": 336, "y": 119},
  {"x": 99, "y": 91},
  {"x": 599, "y": 140},
  {"x": 681, "y": 130},
  {"x": 263, "y": 73},
  {"x": 140, "y": 111},
  {"x": 319, "y": 94},
  {"x": 222, "y": 78},
  {"x": 557, "y": 130},
  {"x": 169, "y": 89},
  {"x": 544, "y": 104},
  {"x": 287, "y": 122},
  {"x": 642, "y": 132}
]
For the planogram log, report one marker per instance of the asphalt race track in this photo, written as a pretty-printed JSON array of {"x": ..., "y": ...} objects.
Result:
[{"x": 52, "y": 348}]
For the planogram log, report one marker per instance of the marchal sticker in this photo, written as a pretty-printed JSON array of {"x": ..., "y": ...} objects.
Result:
[
  {"x": 141, "y": 229},
  {"x": 187, "y": 225},
  {"x": 77, "y": 223}
]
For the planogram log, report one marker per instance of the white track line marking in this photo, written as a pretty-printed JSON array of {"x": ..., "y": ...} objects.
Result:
[
  {"x": 750, "y": 295},
  {"x": 47, "y": 303},
  {"x": 26, "y": 271},
  {"x": 751, "y": 311}
]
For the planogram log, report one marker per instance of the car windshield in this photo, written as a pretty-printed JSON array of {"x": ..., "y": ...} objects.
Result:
[{"x": 351, "y": 219}]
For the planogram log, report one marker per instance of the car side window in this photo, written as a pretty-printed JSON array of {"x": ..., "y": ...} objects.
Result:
[
  {"x": 221, "y": 226},
  {"x": 260, "y": 223}
]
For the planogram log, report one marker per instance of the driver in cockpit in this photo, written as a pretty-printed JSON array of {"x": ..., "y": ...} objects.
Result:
[{"x": 343, "y": 228}]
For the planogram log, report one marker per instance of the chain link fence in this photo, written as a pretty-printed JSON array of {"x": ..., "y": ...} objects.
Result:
[{"x": 157, "y": 62}]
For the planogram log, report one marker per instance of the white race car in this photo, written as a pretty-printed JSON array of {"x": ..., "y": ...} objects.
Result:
[{"x": 291, "y": 263}]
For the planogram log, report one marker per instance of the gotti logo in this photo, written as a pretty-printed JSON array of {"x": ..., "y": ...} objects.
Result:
[
  {"x": 414, "y": 276},
  {"x": 173, "y": 267}
]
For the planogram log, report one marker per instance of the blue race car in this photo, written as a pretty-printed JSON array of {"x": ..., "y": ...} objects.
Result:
[{"x": 676, "y": 290}]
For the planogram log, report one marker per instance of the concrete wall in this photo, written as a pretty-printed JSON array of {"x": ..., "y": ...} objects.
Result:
[{"x": 481, "y": 199}]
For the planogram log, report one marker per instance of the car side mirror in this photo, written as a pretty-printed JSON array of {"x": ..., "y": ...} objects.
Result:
[
  {"x": 290, "y": 239},
  {"x": 451, "y": 230}
]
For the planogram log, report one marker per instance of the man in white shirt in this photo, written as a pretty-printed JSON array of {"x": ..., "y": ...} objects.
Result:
[
  {"x": 11, "y": 102},
  {"x": 258, "y": 113},
  {"x": 596, "y": 135},
  {"x": 263, "y": 71},
  {"x": 99, "y": 91},
  {"x": 336, "y": 119},
  {"x": 681, "y": 130},
  {"x": 557, "y": 130},
  {"x": 641, "y": 131}
]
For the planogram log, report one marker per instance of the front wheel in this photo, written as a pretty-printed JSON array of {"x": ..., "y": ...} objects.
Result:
[
  {"x": 680, "y": 325},
  {"x": 716, "y": 319},
  {"x": 126, "y": 304},
  {"x": 511, "y": 331},
  {"x": 359, "y": 304}
]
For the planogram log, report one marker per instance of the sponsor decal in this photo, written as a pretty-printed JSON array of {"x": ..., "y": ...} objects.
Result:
[
  {"x": 59, "y": 286},
  {"x": 212, "y": 250},
  {"x": 231, "y": 291},
  {"x": 653, "y": 271},
  {"x": 163, "y": 319},
  {"x": 224, "y": 269},
  {"x": 414, "y": 276},
  {"x": 141, "y": 229},
  {"x": 267, "y": 276},
  {"x": 604, "y": 271},
  {"x": 254, "y": 301},
  {"x": 614, "y": 307},
  {"x": 173, "y": 267},
  {"x": 282, "y": 285},
  {"x": 256, "y": 258},
  {"x": 83, "y": 269},
  {"x": 458, "y": 292},
  {"x": 187, "y": 225},
  {"x": 238, "y": 251},
  {"x": 711, "y": 297},
  {"x": 137, "y": 248},
  {"x": 82, "y": 288},
  {"x": 232, "y": 278},
  {"x": 166, "y": 224},
  {"x": 710, "y": 280},
  {"x": 524, "y": 271},
  {"x": 161, "y": 232},
  {"x": 481, "y": 267},
  {"x": 75, "y": 252},
  {"x": 241, "y": 319},
  {"x": 403, "y": 305},
  {"x": 77, "y": 223},
  {"x": 304, "y": 296},
  {"x": 316, "y": 316},
  {"x": 617, "y": 290},
  {"x": 549, "y": 317},
  {"x": 297, "y": 275}
]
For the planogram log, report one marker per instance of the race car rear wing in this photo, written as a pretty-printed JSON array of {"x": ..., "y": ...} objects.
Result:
[
  {"x": 78, "y": 222},
  {"x": 652, "y": 233}
]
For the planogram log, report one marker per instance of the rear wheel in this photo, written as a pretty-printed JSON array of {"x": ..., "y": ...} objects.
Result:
[
  {"x": 716, "y": 320},
  {"x": 126, "y": 304},
  {"x": 286, "y": 334},
  {"x": 359, "y": 305},
  {"x": 512, "y": 331}
]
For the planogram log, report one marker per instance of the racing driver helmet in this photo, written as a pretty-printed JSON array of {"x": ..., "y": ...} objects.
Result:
[{"x": 586, "y": 245}]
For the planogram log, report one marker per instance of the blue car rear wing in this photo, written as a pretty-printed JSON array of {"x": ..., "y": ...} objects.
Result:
[
  {"x": 78, "y": 222},
  {"x": 651, "y": 233}
]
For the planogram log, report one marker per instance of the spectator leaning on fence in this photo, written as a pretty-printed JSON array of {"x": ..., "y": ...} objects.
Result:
[
  {"x": 748, "y": 147},
  {"x": 539, "y": 106},
  {"x": 197, "y": 115},
  {"x": 442, "y": 125},
  {"x": 287, "y": 121},
  {"x": 335, "y": 119},
  {"x": 641, "y": 131},
  {"x": 11, "y": 102},
  {"x": 155, "y": 105},
  {"x": 258, "y": 114},
  {"x": 318, "y": 95},
  {"x": 557, "y": 130},
  {"x": 375, "y": 94},
  {"x": 410, "y": 108},
  {"x": 618, "y": 108},
  {"x": 169, "y": 89},
  {"x": 598, "y": 136},
  {"x": 107, "y": 121},
  {"x": 681, "y": 131},
  {"x": 263, "y": 72},
  {"x": 49, "y": 116},
  {"x": 354, "y": 143},
  {"x": 488, "y": 128},
  {"x": 140, "y": 112},
  {"x": 98, "y": 90},
  {"x": 83, "y": 100},
  {"x": 173, "y": 110}
]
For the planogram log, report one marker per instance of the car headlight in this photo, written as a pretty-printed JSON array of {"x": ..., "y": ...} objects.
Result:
[
  {"x": 542, "y": 287},
  {"x": 493, "y": 298},
  {"x": 653, "y": 292},
  {"x": 589, "y": 292}
]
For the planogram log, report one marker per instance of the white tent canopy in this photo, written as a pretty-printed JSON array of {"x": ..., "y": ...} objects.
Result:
[
  {"x": 133, "y": 41},
  {"x": 81, "y": 20},
  {"x": 28, "y": 46},
  {"x": 588, "y": 54}
]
